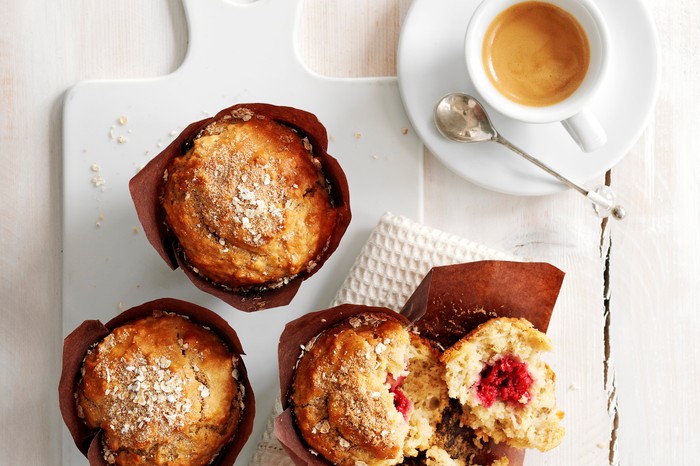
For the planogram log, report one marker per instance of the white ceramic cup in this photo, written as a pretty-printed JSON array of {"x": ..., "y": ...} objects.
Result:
[{"x": 572, "y": 112}]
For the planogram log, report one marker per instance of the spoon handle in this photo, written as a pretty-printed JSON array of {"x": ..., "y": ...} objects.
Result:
[{"x": 602, "y": 203}]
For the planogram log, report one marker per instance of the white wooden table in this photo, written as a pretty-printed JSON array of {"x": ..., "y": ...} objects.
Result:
[{"x": 625, "y": 328}]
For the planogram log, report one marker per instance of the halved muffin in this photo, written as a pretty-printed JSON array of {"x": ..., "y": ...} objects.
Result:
[{"x": 505, "y": 388}]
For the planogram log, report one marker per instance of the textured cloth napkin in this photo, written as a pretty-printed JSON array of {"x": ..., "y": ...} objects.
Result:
[{"x": 393, "y": 262}]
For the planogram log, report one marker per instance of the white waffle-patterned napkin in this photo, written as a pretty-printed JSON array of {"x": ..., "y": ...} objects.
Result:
[{"x": 393, "y": 262}]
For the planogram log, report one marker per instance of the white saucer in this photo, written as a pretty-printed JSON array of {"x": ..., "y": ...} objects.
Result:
[{"x": 431, "y": 64}]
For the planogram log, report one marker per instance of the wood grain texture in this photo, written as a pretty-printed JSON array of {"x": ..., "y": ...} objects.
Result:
[
  {"x": 355, "y": 38},
  {"x": 624, "y": 328},
  {"x": 46, "y": 47}
]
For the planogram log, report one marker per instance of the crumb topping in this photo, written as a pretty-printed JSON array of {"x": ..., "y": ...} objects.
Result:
[
  {"x": 253, "y": 200},
  {"x": 256, "y": 198},
  {"x": 154, "y": 396}
]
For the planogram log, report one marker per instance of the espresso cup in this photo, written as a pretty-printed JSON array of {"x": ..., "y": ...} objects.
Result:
[{"x": 540, "y": 62}]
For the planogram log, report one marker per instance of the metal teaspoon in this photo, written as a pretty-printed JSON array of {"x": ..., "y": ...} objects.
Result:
[{"x": 460, "y": 117}]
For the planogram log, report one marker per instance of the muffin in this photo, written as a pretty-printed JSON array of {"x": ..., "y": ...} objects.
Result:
[
  {"x": 346, "y": 393},
  {"x": 365, "y": 389},
  {"x": 156, "y": 388},
  {"x": 247, "y": 203},
  {"x": 506, "y": 390},
  {"x": 451, "y": 302}
]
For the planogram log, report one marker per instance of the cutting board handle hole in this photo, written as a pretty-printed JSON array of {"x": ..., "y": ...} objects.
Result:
[{"x": 356, "y": 40}]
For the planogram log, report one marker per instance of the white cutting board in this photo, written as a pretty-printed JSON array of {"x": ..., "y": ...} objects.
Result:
[{"x": 237, "y": 53}]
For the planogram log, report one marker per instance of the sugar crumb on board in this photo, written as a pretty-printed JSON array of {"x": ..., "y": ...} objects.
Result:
[
  {"x": 97, "y": 180},
  {"x": 100, "y": 219},
  {"x": 121, "y": 120}
]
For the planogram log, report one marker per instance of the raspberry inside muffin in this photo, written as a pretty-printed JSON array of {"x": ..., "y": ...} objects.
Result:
[{"x": 505, "y": 379}]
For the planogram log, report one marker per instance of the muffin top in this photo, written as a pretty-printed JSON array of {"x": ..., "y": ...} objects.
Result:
[
  {"x": 163, "y": 390},
  {"x": 248, "y": 203},
  {"x": 344, "y": 394}
]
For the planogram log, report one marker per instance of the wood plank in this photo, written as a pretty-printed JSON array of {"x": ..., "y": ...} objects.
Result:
[{"x": 655, "y": 262}]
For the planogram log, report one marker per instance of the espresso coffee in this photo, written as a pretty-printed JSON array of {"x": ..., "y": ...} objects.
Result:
[{"x": 535, "y": 53}]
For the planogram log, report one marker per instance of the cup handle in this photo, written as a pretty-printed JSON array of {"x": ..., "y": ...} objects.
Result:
[{"x": 586, "y": 130}]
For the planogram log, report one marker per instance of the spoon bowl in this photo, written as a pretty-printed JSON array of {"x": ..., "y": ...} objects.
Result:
[{"x": 461, "y": 118}]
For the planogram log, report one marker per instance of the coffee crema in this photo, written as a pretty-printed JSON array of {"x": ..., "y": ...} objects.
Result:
[{"x": 535, "y": 53}]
